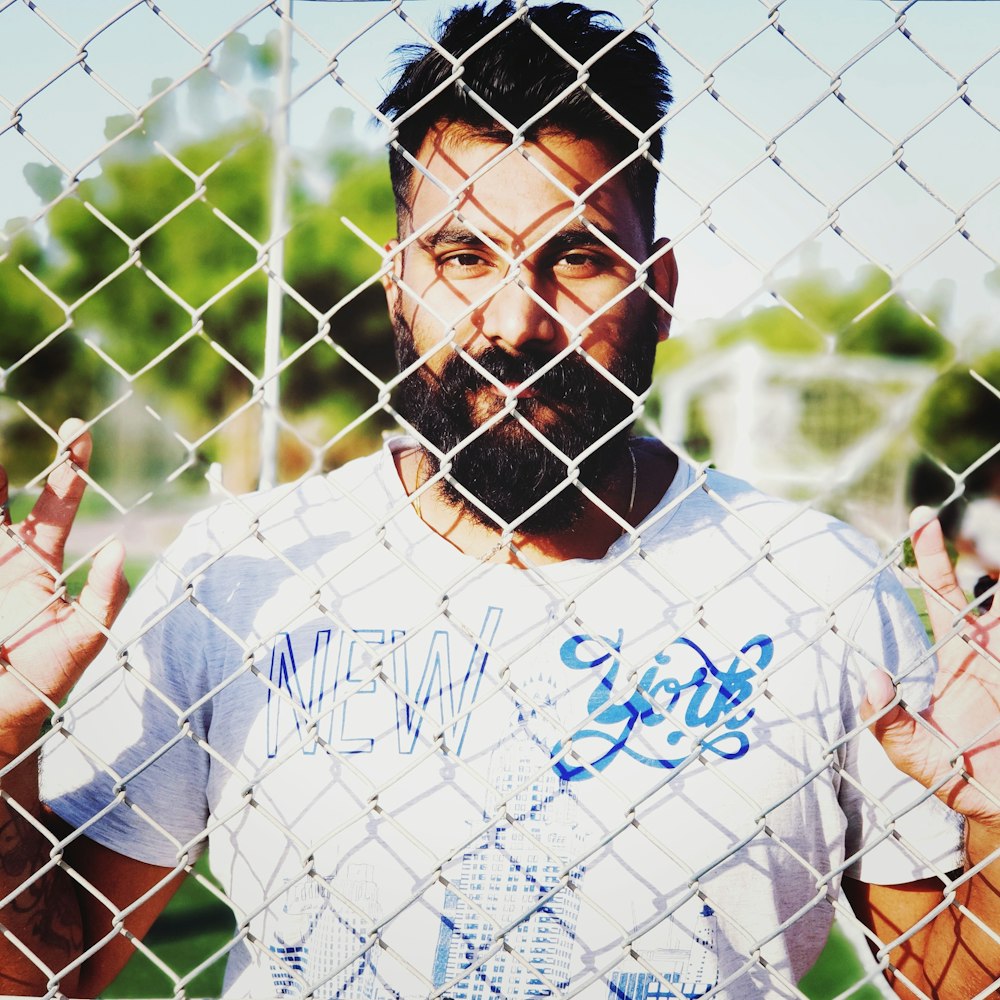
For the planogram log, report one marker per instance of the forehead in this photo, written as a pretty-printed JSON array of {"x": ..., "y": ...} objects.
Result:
[{"x": 518, "y": 195}]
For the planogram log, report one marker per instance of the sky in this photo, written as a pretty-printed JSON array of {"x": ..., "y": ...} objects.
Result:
[{"x": 808, "y": 134}]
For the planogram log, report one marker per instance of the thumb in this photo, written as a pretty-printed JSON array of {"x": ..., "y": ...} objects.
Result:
[{"x": 892, "y": 725}]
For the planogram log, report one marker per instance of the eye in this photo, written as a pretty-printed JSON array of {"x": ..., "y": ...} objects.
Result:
[
  {"x": 579, "y": 263},
  {"x": 464, "y": 262}
]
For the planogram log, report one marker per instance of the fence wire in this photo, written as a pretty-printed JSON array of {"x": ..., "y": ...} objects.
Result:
[{"x": 193, "y": 263}]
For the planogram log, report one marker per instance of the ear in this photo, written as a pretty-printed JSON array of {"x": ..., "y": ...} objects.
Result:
[
  {"x": 663, "y": 278},
  {"x": 389, "y": 283}
]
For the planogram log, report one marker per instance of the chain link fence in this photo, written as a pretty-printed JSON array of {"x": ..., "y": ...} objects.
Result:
[{"x": 198, "y": 208}]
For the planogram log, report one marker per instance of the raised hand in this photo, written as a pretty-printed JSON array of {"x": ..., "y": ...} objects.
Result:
[
  {"x": 956, "y": 739},
  {"x": 46, "y": 640}
]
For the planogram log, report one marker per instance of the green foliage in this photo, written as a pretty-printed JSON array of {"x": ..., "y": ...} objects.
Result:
[
  {"x": 864, "y": 317},
  {"x": 777, "y": 329},
  {"x": 959, "y": 418},
  {"x": 237, "y": 54},
  {"x": 44, "y": 179},
  {"x": 872, "y": 320},
  {"x": 152, "y": 262},
  {"x": 192, "y": 253},
  {"x": 49, "y": 367}
]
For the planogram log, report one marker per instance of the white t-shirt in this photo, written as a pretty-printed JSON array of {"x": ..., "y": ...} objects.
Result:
[{"x": 640, "y": 776}]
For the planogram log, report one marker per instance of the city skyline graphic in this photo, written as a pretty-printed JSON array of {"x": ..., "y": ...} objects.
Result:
[{"x": 510, "y": 915}]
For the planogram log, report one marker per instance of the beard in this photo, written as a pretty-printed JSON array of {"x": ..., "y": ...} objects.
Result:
[{"x": 506, "y": 468}]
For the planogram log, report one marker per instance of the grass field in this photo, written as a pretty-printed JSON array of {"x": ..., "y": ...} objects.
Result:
[{"x": 194, "y": 926}]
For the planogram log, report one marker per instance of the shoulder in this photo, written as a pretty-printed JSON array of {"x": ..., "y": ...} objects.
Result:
[
  {"x": 782, "y": 521},
  {"x": 319, "y": 509},
  {"x": 819, "y": 551}
]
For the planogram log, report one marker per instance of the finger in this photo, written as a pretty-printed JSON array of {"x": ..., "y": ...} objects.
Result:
[
  {"x": 101, "y": 598},
  {"x": 936, "y": 571},
  {"x": 52, "y": 516},
  {"x": 879, "y": 692},
  {"x": 895, "y": 729}
]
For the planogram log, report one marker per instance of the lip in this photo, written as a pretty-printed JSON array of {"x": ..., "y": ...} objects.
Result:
[{"x": 516, "y": 389}]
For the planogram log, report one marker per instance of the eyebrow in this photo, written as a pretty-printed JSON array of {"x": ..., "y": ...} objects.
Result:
[
  {"x": 575, "y": 233},
  {"x": 452, "y": 236},
  {"x": 579, "y": 233}
]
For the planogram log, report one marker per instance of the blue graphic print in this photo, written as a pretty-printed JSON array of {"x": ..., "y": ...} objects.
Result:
[
  {"x": 517, "y": 883},
  {"x": 702, "y": 700},
  {"x": 292, "y": 959},
  {"x": 321, "y": 948},
  {"x": 325, "y": 682},
  {"x": 520, "y": 881},
  {"x": 687, "y": 967}
]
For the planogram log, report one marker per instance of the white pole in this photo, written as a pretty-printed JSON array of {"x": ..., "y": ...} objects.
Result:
[{"x": 276, "y": 261}]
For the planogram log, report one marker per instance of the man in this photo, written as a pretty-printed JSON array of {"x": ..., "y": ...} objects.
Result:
[{"x": 522, "y": 706}]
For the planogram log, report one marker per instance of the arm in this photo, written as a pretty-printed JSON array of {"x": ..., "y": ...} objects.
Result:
[
  {"x": 48, "y": 920},
  {"x": 890, "y": 911},
  {"x": 54, "y": 919},
  {"x": 953, "y": 747}
]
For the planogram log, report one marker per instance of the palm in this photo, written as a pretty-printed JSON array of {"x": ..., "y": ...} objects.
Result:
[
  {"x": 954, "y": 744},
  {"x": 45, "y": 640}
]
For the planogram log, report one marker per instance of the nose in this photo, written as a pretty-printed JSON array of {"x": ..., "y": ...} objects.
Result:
[{"x": 516, "y": 317}]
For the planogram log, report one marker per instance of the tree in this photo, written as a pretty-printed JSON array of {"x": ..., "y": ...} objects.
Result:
[
  {"x": 958, "y": 423},
  {"x": 168, "y": 298},
  {"x": 43, "y": 361},
  {"x": 863, "y": 316}
]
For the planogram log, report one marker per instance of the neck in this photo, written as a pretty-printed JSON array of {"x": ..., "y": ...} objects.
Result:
[{"x": 640, "y": 478}]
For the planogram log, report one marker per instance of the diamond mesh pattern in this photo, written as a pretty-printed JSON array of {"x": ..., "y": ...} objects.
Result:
[{"x": 221, "y": 390}]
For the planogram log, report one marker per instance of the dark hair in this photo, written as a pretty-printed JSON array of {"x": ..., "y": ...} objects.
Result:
[{"x": 517, "y": 74}]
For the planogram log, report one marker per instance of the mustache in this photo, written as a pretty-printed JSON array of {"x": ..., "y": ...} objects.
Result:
[{"x": 570, "y": 380}]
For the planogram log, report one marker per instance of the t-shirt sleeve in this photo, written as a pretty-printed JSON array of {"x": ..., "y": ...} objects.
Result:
[
  {"x": 126, "y": 759},
  {"x": 897, "y": 831}
]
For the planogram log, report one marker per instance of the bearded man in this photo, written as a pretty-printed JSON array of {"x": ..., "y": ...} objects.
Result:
[{"x": 522, "y": 706}]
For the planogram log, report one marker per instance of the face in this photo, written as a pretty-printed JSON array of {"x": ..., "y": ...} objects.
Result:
[{"x": 525, "y": 312}]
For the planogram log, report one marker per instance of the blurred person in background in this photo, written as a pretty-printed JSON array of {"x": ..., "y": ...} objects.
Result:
[{"x": 978, "y": 542}]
